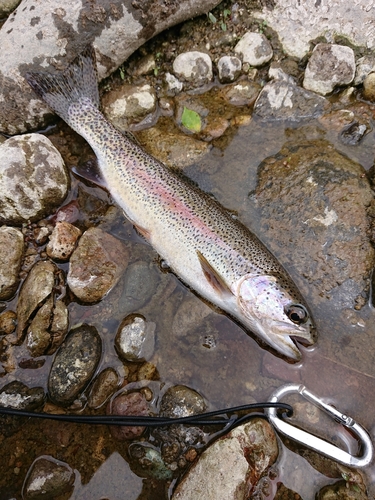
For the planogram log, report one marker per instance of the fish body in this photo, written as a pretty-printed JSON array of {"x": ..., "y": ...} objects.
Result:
[{"x": 202, "y": 243}]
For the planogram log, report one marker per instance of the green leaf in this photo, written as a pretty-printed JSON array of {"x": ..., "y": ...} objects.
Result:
[
  {"x": 223, "y": 26},
  {"x": 212, "y": 18},
  {"x": 191, "y": 120},
  {"x": 226, "y": 13}
]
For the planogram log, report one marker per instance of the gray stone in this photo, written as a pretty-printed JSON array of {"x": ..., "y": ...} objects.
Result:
[
  {"x": 230, "y": 468},
  {"x": 96, "y": 265},
  {"x": 297, "y": 23},
  {"x": 129, "y": 103},
  {"x": 44, "y": 36},
  {"x": 140, "y": 283},
  {"x": 47, "y": 479},
  {"x": 135, "y": 339},
  {"x": 62, "y": 241},
  {"x": 330, "y": 65},
  {"x": 147, "y": 462},
  {"x": 193, "y": 66},
  {"x": 33, "y": 181},
  {"x": 282, "y": 99},
  {"x": 243, "y": 93},
  {"x": 254, "y": 48},
  {"x": 229, "y": 68},
  {"x": 11, "y": 252},
  {"x": 74, "y": 365},
  {"x": 173, "y": 84}
]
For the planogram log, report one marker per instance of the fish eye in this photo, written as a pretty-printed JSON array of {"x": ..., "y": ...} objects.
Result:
[{"x": 296, "y": 313}]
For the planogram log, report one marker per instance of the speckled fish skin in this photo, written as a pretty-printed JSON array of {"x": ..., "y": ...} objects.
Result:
[{"x": 203, "y": 244}]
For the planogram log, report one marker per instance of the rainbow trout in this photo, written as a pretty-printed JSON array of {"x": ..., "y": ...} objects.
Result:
[{"x": 200, "y": 241}]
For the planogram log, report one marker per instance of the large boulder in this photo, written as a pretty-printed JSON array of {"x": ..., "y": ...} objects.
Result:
[{"x": 45, "y": 36}]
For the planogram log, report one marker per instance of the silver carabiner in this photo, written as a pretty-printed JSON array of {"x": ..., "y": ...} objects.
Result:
[{"x": 314, "y": 442}]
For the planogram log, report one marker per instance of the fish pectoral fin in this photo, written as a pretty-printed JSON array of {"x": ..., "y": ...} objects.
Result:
[
  {"x": 91, "y": 172},
  {"x": 212, "y": 276},
  {"x": 142, "y": 231}
]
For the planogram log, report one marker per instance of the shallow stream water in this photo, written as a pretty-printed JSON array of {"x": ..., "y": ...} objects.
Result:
[{"x": 219, "y": 360}]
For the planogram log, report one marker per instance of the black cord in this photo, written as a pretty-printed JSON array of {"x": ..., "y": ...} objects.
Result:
[{"x": 138, "y": 420}]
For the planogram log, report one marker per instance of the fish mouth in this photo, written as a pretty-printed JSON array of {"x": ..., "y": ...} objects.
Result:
[{"x": 285, "y": 343}]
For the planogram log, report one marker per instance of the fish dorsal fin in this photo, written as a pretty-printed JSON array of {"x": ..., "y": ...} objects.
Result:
[
  {"x": 213, "y": 277},
  {"x": 91, "y": 172}
]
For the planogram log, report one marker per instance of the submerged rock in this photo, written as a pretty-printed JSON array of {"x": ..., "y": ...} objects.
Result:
[
  {"x": 230, "y": 468},
  {"x": 11, "y": 252},
  {"x": 133, "y": 403},
  {"x": 33, "y": 181},
  {"x": 342, "y": 491},
  {"x": 147, "y": 462},
  {"x": 181, "y": 401},
  {"x": 96, "y": 265},
  {"x": 135, "y": 338},
  {"x": 330, "y": 65},
  {"x": 105, "y": 384},
  {"x": 283, "y": 99},
  {"x": 63, "y": 240},
  {"x": 74, "y": 364},
  {"x": 47, "y": 479},
  {"x": 318, "y": 188}
]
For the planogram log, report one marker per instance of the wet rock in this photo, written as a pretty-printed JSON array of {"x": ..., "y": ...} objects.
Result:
[
  {"x": 284, "y": 493},
  {"x": 282, "y": 99},
  {"x": 181, "y": 401},
  {"x": 47, "y": 479},
  {"x": 135, "y": 338},
  {"x": 43, "y": 36},
  {"x": 103, "y": 387},
  {"x": 189, "y": 316},
  {"x": 48, "y": 328},
  {"x": 34, "y": 180},
  {"x": 342, "y": 491},
  {"x": 330, "y": 65},
  {"x": 62, "y": 241},
  {"x": 129, "y": 104},
  {"x": 193, "y": 67},
  {"x": 232, "y": 466},
  {"x": 36, "y": 289},
  {"x": 8, "y": 322},
  {"x": 365, "y": 66},
  {"x": 254, "y": 48},
  {"x": 147, "y": 371},
  {"x": 243, "y": 93},
  {"x": 127, "y": 405},
  {"x": 229, "y": 68},
  {"x": 18, "y": 396},
  {"x": 353, "y": 133},
  {"x": 141, "y": 280},
  {"x": 147, "y": 462},
  {"x": 369, "y": 87},
  {"x": 145, "y": 66},
  {"x": 11, "y": 252},
  {"x": 318, "y": 187},
  {"x": 175, "y": 149},
  {"x": 7, "y": 6},
  {"x": 96, "y": 265},
  {"x": 74, "y": 365}
]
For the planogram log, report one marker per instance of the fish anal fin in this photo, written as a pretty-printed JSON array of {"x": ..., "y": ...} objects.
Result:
[
  {"x": 143, "y": 232},
  {"x": 91, "y": 172},
  {"x": 212, "y": 276}
]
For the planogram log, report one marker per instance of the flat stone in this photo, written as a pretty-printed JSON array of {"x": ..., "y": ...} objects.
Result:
[
  {"x": 254, "y": 48},
  {"x": 33, "y": 181},
  {"x": 330, "y": 65},
  {"x": 11, "y": 252}
]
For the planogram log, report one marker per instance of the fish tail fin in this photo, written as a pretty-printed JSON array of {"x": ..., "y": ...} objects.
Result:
[{"x": 78, "y": 81}]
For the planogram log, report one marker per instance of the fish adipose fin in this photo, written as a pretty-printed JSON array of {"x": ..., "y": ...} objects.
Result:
[
  {"x": 77, "y": 82},
  {"x": 213, "y": 277}
]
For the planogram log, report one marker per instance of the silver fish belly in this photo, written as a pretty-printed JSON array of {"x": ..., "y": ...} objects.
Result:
[{"x": 210, "y": 251}]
